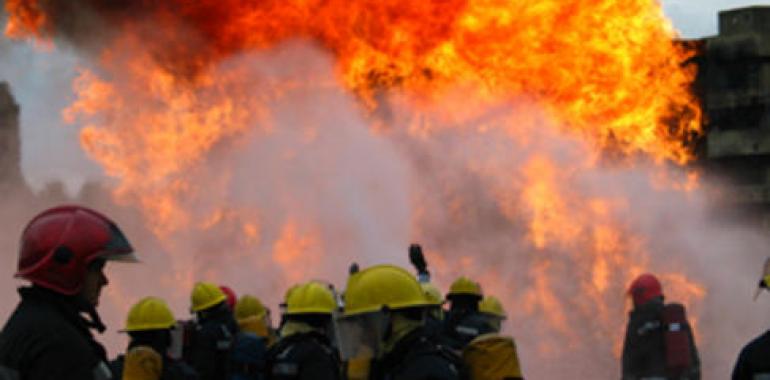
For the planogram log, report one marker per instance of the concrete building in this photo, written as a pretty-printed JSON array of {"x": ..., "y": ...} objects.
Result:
[
  {"x": 10, "y": 152},
  {"x": 734, "y": 84}
]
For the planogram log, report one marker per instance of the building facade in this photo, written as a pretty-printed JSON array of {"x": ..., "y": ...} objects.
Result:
[{"x": 734, "y": 85}]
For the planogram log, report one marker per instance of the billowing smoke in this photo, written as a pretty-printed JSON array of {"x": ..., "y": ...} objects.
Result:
[
  {"x": 539, "y": 218},
  {"x": 566, "y": 298},
  {"x": 300, "y": 194},
  {"x": 41, "y": 81},
  {"x": 261, "y": 170}
]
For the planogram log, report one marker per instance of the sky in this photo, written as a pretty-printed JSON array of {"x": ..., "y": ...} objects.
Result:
[
  {"x": 698, "y": 18},
  {"x": 41, "y": 82}
]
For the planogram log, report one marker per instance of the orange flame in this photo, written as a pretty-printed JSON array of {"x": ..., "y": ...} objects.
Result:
[
  {"x": 608, "y": 68},
  {"x": 295, "y": 252}
]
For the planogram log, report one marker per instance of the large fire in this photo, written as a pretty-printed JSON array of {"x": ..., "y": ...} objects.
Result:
[{"x": 545, "y": 95}]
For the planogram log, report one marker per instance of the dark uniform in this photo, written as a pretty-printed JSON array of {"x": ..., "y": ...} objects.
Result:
[
  {"x": 209, "y": 351},
  {"x": 303, "y": 356},
  {"x": 434, "y": 327},
  {"x": 754, "y": 360},
  {"x": 644, "y": 349},
  {"x": 418, "y": 357},
  {"x": 461, "y": 327},
  {"x": 47, "y": 338}
]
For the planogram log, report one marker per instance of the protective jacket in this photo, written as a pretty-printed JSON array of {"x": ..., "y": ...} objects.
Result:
[
  {"x": 753, "y": 360},
  {"x": 461, "y": 327},
  {"x": 492, "y": 357},
  {"x": 172, "y": 369},
  {"x": 644, "y": 348},
  {"x": 304, "y": 356},
  {"x": 212, "y": 341},
  {"x": 418, "y": 357},
  {"x": 47, "y": 338}
]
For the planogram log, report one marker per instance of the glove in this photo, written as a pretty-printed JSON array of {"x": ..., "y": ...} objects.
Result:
[{"x": 418, "y": 260}]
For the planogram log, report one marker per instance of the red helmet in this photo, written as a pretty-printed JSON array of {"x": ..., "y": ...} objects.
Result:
[
  {"x": 644, "y": 289},
  {"x": 232, "y": 299},
  {"x": 58, "y": 245}
]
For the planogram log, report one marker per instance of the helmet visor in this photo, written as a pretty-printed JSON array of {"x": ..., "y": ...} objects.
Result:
[
  {"x": 360, "y": 336},
  {"x": 118, "y": 248},
  {"x": 493, "y": 321}
]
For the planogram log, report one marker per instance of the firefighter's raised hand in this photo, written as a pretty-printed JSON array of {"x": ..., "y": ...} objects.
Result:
[{"x": 418, "y": 260}]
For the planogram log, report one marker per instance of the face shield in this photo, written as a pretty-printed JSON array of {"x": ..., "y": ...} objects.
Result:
[
  {"x": 436, "y": 313},
  {"x": 360, "y": 337},
  {"x": 494, "y": 322},
  {"x": 181, "y": 335}
]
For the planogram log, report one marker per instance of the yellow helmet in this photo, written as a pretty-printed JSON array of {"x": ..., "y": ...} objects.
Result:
[
  {"x": 381, "y": 286},
  {"x": 432, "y": 293},
  {"x": 149, "y": 313},
  {"x": 310, "y": 298},
  {"x": 492, "y": 306},
  {"x": 466, "y": 287},
  {"x": 249, "y": 306},
  {"x": 205, "y": 295}
]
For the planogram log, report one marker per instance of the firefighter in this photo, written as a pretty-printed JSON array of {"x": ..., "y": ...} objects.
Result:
[
  {"x": 659, "y": 342},
  {"x": 148, "y": 325},
  {"x": 63, "y": 254},
  {"x": 463, "y": 322},
  {"x": 752, "y": 362},
  {"x": 304, "y": 349},
  {"x": 383, "y": 326},
  {"x": 254, "y": 317},
  {"x": 492, "y": 310},
  {"x": 492, "y": 355},
  {"x": 214, "y": 333}
]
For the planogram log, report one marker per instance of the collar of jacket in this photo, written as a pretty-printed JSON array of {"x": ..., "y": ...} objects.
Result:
[
  {"x": 70, "y": 309},
  {"x": 652, "y": 307},
  {"x": 295, "y": 327},
  {"x": 401, "y": 327},
  {"x": 403, "y": 348}
]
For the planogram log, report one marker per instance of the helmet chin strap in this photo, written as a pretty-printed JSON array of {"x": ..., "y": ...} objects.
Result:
[{"x": 94, "y": 321}]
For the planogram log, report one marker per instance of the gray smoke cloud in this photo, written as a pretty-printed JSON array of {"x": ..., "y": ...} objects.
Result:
[
  {"x": 356, "y": 194},
  {"x": 672, "y": 231},
  {"x": 319, "y": 186},
  {"x": 42, "y": 84}
]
